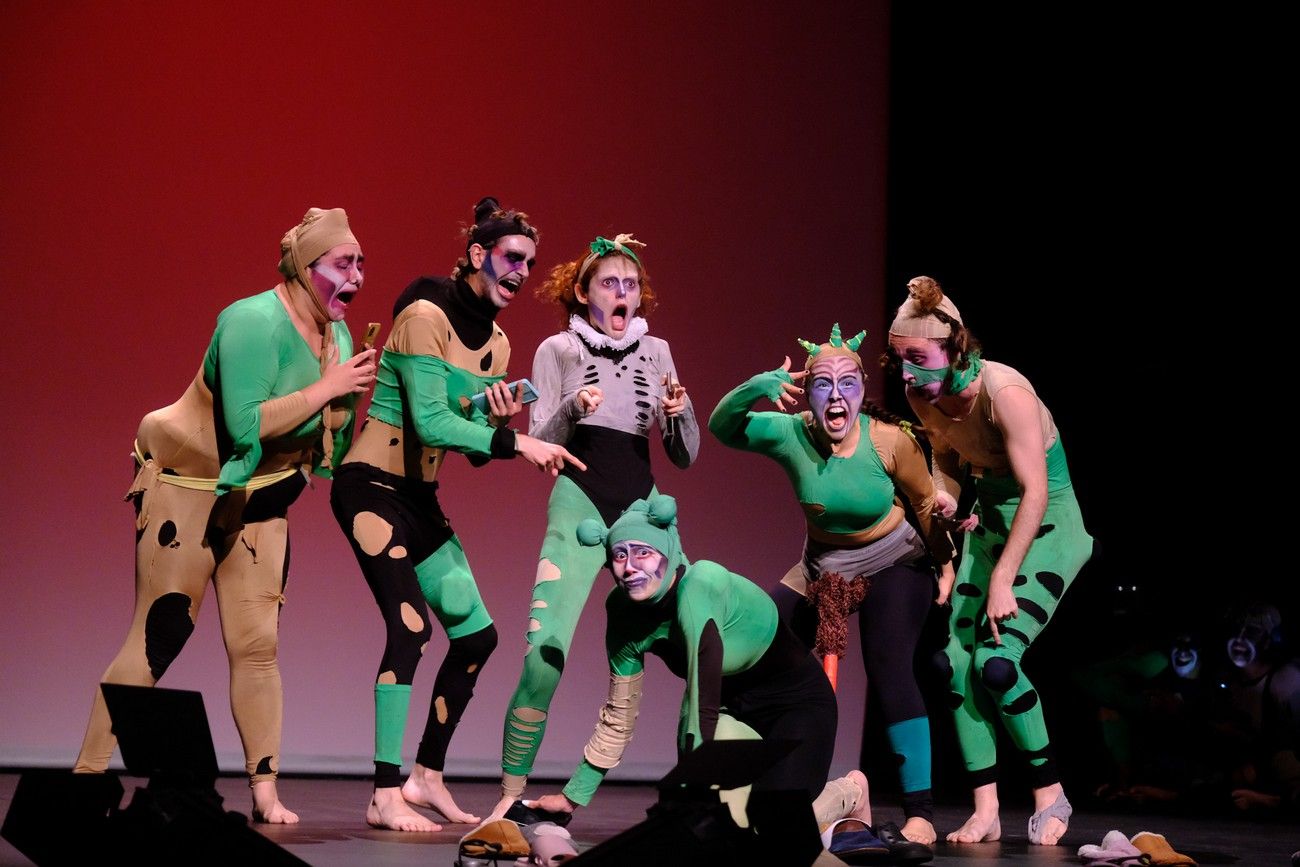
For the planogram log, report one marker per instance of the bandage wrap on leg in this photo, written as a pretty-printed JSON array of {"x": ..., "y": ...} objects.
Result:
[
  {"x": 836, "y": 801},
  {"x": 617, "y": 719}
]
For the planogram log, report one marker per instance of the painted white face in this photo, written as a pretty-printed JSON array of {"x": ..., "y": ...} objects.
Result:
[
  {"x": 506, "y": 267},
  {"x": 337, "y": 277},
  {"x": 638, "y": 569},
  {"x": 835, "y": 394},
  {"x": 613, "y": 295}
]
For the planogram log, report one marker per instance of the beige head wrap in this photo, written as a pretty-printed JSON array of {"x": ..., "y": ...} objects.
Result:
[
  {"x": 319, "y": 232},
  {"x": 915, "y": 317}
]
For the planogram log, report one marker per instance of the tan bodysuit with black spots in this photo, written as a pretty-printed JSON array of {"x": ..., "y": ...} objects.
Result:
[{"x": 186, "y": 535}]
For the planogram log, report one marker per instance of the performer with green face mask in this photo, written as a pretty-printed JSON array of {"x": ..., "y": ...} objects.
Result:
[{"x": 1022, "y": 549}]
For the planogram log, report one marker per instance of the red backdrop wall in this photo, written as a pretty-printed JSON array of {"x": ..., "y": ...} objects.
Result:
[{"x": 153, "y": 153}]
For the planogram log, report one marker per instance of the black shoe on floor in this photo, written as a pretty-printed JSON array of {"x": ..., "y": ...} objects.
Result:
[
  {"x": 526, "y": 815},
  {"x": 901, "y": 849}
]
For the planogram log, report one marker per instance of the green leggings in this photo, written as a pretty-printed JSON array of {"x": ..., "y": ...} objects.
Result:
[
  {"x": 986, "y": 679},
  {"x": 565, "y": 573}
]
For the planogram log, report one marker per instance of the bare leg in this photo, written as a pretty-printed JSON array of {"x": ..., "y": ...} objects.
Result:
[
  {"x": 267, "y": 807},
  {"x": 983, "y": 826},
  {"x": 388, "y": 809},
  {"x": 425, "y": 788}
]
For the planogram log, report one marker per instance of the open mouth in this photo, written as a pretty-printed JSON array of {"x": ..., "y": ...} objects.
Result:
[
  {"x": 510, "y": 285},
  {"x": 618, "y": 318},
  {"x": 345, "y": 296},
  {"x": 837, "y": 417}
]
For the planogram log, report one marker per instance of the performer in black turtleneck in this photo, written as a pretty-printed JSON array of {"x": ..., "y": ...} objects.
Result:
[{"x": 444, "y": 347}]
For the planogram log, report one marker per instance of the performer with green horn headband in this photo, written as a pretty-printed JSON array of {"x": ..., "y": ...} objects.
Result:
[
  {"x": 604, "y": 383},
  {"x": 849, "y": 462},
  {"x": 1022, "y": 549}
]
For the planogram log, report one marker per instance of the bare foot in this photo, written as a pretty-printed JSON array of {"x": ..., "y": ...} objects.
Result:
[
  {"x": 978, "y": 829},
  {"x": 862, "y": 807},
  {"x": 388, "y": 809},
  {"x": 919, "y": 830},
  {"x": 1052, "y": 829},
  {"x": 425, "y": 788},
  {"x": 267, "y": 807},
  {"x": 499, "y": 810}
]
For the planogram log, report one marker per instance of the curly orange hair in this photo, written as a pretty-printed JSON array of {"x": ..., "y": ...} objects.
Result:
[{"x": 559, "y": 286}]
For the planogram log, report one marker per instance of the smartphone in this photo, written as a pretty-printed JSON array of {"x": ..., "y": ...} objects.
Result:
[
  {"x": 372, "y": 334},
  {"x": 530, "y": 394}
]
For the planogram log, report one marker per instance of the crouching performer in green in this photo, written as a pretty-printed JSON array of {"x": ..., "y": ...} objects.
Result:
[{"x": 746, "y": 674}]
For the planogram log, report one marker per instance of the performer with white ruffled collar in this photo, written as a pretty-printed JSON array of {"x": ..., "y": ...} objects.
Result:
[{"x": 604, "y": 383}]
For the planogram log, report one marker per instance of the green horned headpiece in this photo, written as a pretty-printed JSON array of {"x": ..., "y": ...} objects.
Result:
[{"x": 836, "y": 345}]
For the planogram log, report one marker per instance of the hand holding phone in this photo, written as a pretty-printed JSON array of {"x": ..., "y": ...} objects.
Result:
[{"x": 529, "y": 394}]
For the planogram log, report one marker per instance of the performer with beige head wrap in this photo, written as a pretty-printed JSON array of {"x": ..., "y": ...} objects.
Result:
[
  {"x": 218, "y": 470},
  {"x": 1022, "y": 548}
]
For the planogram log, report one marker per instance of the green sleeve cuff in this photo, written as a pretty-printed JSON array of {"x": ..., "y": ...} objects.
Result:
[
  {"x": 584, "y": 782},
  {"x": 731, "y": 418}
]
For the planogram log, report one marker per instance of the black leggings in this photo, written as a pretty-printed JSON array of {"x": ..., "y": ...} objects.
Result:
[
  {"x": 890, "y": 620},
  {"x": 795, "y": 704},
  {"x": 415, "y": 528}
]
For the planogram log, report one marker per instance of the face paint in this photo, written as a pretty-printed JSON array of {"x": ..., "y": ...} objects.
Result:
[
  {"x": 638, "y": 569},
  {"x": 613, "y": 295},
  {"x": 925, "y": 364},
  {"x": 924, "y": 375},
  {"x": 506, "y": 267},
  {"x": 1184, "y": 659},
  {"x": 835, "y": 395},
  {"x": 1242, "y": 651},
  {"x": 337, "y": 277}
]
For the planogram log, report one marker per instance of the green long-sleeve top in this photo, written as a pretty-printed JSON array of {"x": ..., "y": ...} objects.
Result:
[
  {"x": 712, "y": 625},
  {"x": 257, "y": 354},
  {"x": 849, "y": 499},
  {"x": 444, "y": 348}
]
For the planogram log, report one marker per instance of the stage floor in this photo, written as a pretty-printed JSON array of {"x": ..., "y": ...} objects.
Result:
[{"x": 333, "y": 832}]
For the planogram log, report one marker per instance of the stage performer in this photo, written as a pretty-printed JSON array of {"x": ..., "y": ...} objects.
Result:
[
  {"x": 218, "y": 470},
  {"x": 604, "y": 382},
  {"x": 444, "y": 348},
  {"x": 848, "y": 462},
  {"x": 746, "y": 675},
  {"x": 1023, "y": 546}
]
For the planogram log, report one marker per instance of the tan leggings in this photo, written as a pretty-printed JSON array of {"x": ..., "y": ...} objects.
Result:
[{"x": 187, "y": 538}]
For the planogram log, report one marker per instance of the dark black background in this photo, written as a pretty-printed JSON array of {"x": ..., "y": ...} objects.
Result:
[{"x": 1071, "y": 177}]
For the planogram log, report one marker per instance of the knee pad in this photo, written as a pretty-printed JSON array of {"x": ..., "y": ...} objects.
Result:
[
  {"x": 167, "y": 627},
  {"x": 942, "y": 665},
  {"x": 998, "y": 673},
  {"x": 457, "y": 594},
  {"x": 476, "y": 647}
]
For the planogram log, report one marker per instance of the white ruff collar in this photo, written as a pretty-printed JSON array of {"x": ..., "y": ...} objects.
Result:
[{"x": 600, "y": 340}]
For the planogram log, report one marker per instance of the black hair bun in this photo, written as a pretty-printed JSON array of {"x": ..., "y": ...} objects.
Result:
[{"x": 486, "y": 207}]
